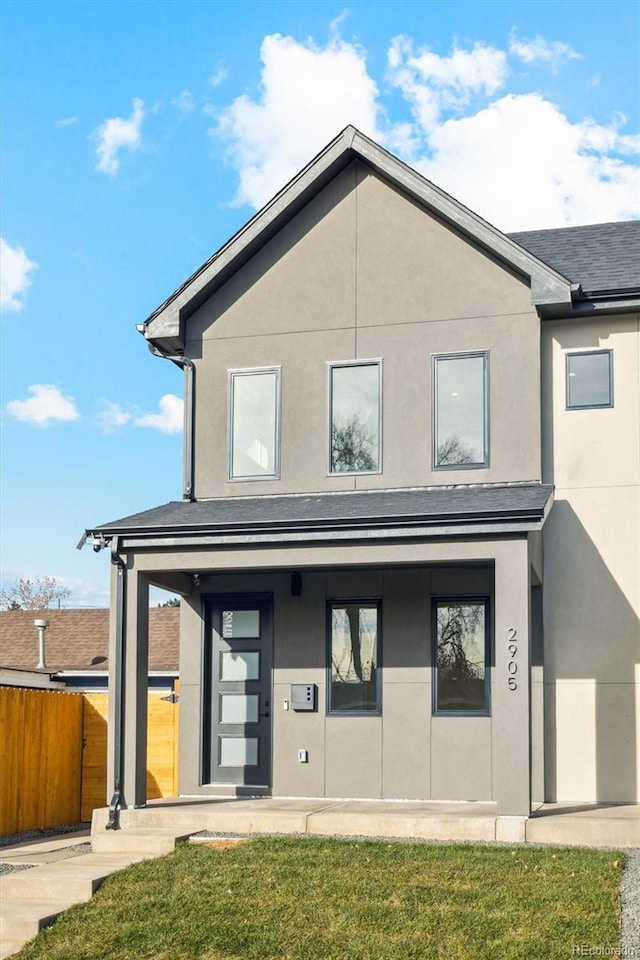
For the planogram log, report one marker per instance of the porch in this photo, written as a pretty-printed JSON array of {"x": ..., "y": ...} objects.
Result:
[{"x": 580, "y": 824}]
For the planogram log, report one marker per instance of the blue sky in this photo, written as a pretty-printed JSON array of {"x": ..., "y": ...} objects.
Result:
[{"x": 138, "y": 136}]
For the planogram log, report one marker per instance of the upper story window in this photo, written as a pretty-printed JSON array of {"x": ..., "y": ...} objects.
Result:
[
  {"x": 589, "y": 379},
  {"x": 355, "y": 416},
  {"x": 254, "y": 424},
  {"x": 460, "y": 410}
]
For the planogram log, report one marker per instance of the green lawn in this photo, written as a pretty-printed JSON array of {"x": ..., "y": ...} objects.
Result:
[{"x": 317, "y": 899}]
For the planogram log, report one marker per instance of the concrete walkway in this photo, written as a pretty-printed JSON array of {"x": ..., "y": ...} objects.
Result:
[{"x": 60, "y": 866}]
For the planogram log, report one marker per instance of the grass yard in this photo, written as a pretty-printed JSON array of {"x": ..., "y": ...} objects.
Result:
[{"x": 318, "y": 899}]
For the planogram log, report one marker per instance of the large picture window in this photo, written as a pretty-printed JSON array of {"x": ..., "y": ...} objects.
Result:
[
  {"x": 254, "y": 413},
  {"x": 589, "y": 379},
  {"x": 460, "y": 411},
  {"x": 354, "y": 418},
  {"x": 461, "y": 656},
  {"x": 354, "y": 657}
]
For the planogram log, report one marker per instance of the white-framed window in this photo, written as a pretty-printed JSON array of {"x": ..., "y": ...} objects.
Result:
[
  {"x": 460, "y": 629},
  {"x": 589, "y": 379},
  {"x": 460, "y": 410},
  {"x": 254, "y": 424},
  {"x": 355, "y": 417}
]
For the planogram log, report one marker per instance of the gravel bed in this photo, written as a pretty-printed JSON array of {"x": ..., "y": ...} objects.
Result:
[
  {"x": 26, "y": 836},
  {"x": 630, "y": 903},
  {"x": 14, "y": 867}
]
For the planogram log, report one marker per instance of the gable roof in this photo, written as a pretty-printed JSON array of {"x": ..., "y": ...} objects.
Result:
[
  {"x": 78, "y": 640},
  {"x": 164, "y": 328},
  {"x": 604, "y": 258}
]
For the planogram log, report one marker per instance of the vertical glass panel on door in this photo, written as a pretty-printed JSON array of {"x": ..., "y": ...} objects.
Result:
[
  {"x": 238, "y": 708},
  {"x": 355, "y": 418},
  {"x": 354, "y": 651},
  {"x": 240, "y": 624},
  {"x": 238, "y": 751},
  {"x": 461, "y": 656},
  {"x": 253, "y": 438},
  {"x": 240, "y": 665},
  {"x": 461, "y": 414}
]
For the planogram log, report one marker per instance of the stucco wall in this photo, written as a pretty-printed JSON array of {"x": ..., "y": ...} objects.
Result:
[
  {"x": 365, "y": 273},
  {"x": 406, "y": 752},
  {"x": 592, "y": 570}
]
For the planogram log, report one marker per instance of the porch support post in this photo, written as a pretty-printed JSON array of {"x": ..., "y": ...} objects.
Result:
[
  {"x": 128, "y": 673},
  {"x": 511, "y": 680},
  {"x": 136, "y": 690}
]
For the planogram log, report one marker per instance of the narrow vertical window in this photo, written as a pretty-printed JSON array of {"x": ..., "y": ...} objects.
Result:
[
  {"x": 254, "y": 402},
  {"x": 589, "y": 379},
  {"x": 461, "y": 656},
  {"x": 355, "y": 417},
  {"x": 461, "y": 431},
  {"x": 354, "y": 657}
]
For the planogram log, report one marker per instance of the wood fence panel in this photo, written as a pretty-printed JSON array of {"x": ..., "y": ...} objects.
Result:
[
  {"x": 162, "y": 733},
  {"x": 94, "y": 754},
  {"x": 40, "y": 758}
]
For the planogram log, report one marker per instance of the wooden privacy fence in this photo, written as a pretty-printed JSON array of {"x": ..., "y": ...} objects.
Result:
[
  {"x": 162, "y": 749},
  {"x": 53, "y": 755},
  {"x": 40, "y": 758}
]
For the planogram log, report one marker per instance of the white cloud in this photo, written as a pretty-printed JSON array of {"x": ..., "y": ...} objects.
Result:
[
  {"x": 307, "y": 95},
  {"x": 66, "y": 121},
  {"x": 117, "y": 134},
  {"x": 185, "y": 103},
  {"x": 15, "y": 268},
  {"x": 170, "y": 418},
  {"x": 553, "y": 52},
  {"x": 46, "y": 405},
  {"x": 515, "y": 159},
  {"x": 219, "y": 75},
  {"x": 521, "y": 164},
  {"x": 432, "y": 83},
  {"x": 112, "y": 416}
]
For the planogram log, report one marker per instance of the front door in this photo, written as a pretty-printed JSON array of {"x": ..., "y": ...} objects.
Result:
[{"x": 241, "y": 644}]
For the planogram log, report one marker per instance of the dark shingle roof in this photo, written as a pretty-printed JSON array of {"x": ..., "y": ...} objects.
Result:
[
  {"x": 601, "y": 257},
  {"x": 79, "y": 639},
  {"x": 439, "y": 505}
]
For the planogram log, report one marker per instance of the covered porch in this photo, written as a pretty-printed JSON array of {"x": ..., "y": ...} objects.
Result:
[{"x": 290, "y": 562}]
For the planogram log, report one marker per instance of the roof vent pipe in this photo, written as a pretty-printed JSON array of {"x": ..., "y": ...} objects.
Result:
[{"x": 42, "y": 626}]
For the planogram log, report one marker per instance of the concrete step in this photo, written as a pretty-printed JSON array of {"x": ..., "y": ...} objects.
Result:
[
  {"x": 23, "y": 919},
  {"x": 78, "y": 878},
  {"x": 155, "y": 841}
]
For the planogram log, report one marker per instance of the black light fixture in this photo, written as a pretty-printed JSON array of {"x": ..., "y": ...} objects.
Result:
[{"x": 296, "y": 584}]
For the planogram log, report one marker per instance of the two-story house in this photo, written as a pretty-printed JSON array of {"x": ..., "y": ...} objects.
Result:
[{"x": 408, "y": 544}]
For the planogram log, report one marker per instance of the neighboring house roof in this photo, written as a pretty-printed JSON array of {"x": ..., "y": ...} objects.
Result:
[
  {"x": 602, "y": 258},
  {"x": 165, "y": 327},
  {"x": 322, "y": 515},
  {"x": 78, "y": 640}
]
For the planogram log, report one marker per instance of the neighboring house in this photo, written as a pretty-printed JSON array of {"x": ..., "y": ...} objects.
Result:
[
  {"x": 408, "y": 545},
  {"x": 77, "y": 648}
]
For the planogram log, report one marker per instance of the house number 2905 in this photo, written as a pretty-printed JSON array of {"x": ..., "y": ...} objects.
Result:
[{"x": 512, "y": 664}]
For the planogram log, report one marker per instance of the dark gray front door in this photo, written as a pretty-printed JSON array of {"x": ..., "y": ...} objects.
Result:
[{"x": 242, "y": 638}]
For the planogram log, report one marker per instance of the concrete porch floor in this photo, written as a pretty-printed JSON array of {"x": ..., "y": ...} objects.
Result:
[{"x": 593, "y": 825}]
